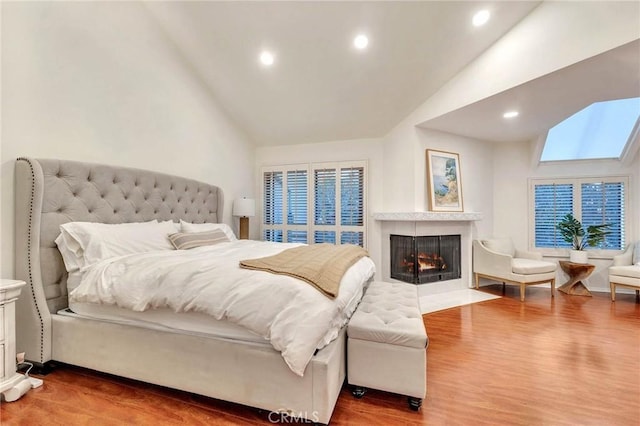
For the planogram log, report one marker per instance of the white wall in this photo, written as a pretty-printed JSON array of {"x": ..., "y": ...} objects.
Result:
[
  {"x": 475, "y": 170},
  {"x": 405, "y": 170},
  {"x": 100, "y": 82},
  {"x": 399, "y": 186},
  {"x": 350, "y": 150}
]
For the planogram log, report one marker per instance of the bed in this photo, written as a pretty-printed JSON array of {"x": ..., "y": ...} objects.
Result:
[{"x": 227, "y": 364}]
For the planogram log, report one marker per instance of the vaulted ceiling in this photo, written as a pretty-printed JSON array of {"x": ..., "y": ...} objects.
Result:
[{"x": 321, "y": 88}]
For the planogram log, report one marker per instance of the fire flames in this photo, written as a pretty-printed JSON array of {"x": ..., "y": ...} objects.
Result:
[{"x": 426, "y": 262}]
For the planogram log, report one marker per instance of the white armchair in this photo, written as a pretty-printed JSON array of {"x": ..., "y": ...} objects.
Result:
[
  {"x": 625, "y": 271},
  {"x": 498, "y": 260}
]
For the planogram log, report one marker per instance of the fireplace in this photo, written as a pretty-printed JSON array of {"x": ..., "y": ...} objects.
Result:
[
  {"x": 425, "y": 259},
  {"x": 430, "y": 223}
]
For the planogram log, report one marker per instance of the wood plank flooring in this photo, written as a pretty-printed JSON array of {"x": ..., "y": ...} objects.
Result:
[{"x": 571, "y": 360}]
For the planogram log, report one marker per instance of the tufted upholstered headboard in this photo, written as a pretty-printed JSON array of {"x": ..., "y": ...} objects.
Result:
[{"x": 52, "y": 192}]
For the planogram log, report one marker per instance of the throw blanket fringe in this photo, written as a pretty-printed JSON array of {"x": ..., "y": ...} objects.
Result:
[{"x": 321, "y": 265}]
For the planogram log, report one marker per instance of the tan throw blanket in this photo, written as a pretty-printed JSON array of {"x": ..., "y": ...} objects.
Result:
[{"x": 321, "y": 265}]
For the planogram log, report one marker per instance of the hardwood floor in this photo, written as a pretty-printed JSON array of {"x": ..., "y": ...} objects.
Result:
[{"x": 571, "y": 360}]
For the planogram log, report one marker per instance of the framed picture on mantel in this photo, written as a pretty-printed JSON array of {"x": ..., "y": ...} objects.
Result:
[{"x": 444, "y": 181}]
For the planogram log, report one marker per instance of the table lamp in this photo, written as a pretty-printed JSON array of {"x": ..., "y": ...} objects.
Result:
[{"x": 244, "y": 208}]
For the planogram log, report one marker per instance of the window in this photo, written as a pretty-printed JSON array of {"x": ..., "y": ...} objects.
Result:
[
  {"x": 552, "y": 202},
  {"x": 284, "y": 193},
  {"x": 603, "y": 202},
  {"x": 601, "y": 130},
  {"x": 297, "y": 206},
  {"x": 322, "y": 203},
  {"x": 592, "y": 201}
]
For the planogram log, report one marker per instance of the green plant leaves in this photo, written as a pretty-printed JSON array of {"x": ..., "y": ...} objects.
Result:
[{"x": 574, "y": 233}]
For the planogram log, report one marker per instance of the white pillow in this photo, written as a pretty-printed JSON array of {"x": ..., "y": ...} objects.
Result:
[
  {"x": 70, "y": 250},
  {"x": 85, "y": 243},
  {"x": 176, "y": 225},
  {"x": 201, "y": 227}
]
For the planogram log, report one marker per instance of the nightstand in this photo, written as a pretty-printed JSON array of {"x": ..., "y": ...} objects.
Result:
[{"x": 9, "y": 379}]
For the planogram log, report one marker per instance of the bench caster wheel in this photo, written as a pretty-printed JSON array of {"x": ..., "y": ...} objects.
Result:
[
  {"x": 358, "y": 392},
  {"x": 415, "y": 403}
]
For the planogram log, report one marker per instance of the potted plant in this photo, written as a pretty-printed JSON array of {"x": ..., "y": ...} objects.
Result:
[{"x": 574, "y": 233}]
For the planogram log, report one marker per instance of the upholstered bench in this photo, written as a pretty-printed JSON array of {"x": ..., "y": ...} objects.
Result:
[{"x": 386, "y": 345}]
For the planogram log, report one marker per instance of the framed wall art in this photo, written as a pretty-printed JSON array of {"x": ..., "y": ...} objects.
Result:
[{"x": 444, "y": 181}]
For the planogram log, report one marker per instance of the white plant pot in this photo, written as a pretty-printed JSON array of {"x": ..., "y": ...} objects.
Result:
[{"x": 578, "y": 256}]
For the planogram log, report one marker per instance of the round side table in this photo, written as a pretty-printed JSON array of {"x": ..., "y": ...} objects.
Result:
[{"x": 577, "y": 272}]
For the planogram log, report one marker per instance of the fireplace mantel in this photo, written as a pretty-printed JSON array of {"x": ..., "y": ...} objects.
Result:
[{"x": 428, "y": 216}]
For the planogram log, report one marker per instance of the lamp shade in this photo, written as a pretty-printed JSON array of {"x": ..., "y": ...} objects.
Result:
[{"x": 244, "y": 207}]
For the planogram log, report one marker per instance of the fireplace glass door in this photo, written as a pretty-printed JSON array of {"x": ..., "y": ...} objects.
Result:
[{"x": 425, "y": 259}]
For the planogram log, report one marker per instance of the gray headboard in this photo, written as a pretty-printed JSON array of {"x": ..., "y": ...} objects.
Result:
[{"x": 52, "y": 192}]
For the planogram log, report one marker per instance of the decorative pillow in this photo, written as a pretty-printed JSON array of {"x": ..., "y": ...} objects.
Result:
[
  {"x": 201, "y": 227},
  {"x": 636, "y": 253},
  {"x": 189, "y": 240},
  {"x": 85, "y": 243},
  {"x": 500, "y": 245}
]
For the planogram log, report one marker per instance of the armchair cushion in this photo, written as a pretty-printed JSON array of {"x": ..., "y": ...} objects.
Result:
[
  {"x": 636, "y": 253},
  {"x": 631, "y": 271},
  {"x": 500, "y": 245},
  {"x": 529, "y": 266}
]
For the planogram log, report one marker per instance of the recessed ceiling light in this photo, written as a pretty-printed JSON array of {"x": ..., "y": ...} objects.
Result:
[
  {"x": 510, "y": 114},
  {"x": 267, "y": 58},
  {"x": 481, "y": 17},
  {"x": 361, "y": 41}
]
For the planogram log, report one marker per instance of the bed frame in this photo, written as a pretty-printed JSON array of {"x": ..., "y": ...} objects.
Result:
[{"x": 52, "y": 192}]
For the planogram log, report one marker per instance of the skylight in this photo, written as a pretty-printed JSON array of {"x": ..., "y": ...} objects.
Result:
[{"x": 599, "y": 131}]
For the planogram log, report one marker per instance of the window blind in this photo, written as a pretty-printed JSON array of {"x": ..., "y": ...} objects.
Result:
[
  {"x": 297, "y": 237},
  {"x": 592, "y": 202},
  {"x": 604, "y": 203},
  {"x": 272, "y": 207},
  {"x": 273, "y": 235},
  {"x": 324, "y": 237},
  {"x": 350, "y": 237},
  {"x": 324, "y": 183},
  {"x": 323, "y": 203},
  {"x": 352, "y": 196},
  {"x": 297, "y": 197},
  {"x": 552, "y": 202}
]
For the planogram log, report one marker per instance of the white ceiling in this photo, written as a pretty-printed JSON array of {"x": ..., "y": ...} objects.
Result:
[
  {"x": 548, "y": 100},
  {"x": 321, "y": 88}
]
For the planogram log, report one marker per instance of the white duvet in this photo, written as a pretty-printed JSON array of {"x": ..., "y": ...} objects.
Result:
[{"x": 294, "y": 316}]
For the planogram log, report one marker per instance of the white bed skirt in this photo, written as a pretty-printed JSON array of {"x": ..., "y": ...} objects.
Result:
[{"x": 241, "y": 372}]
